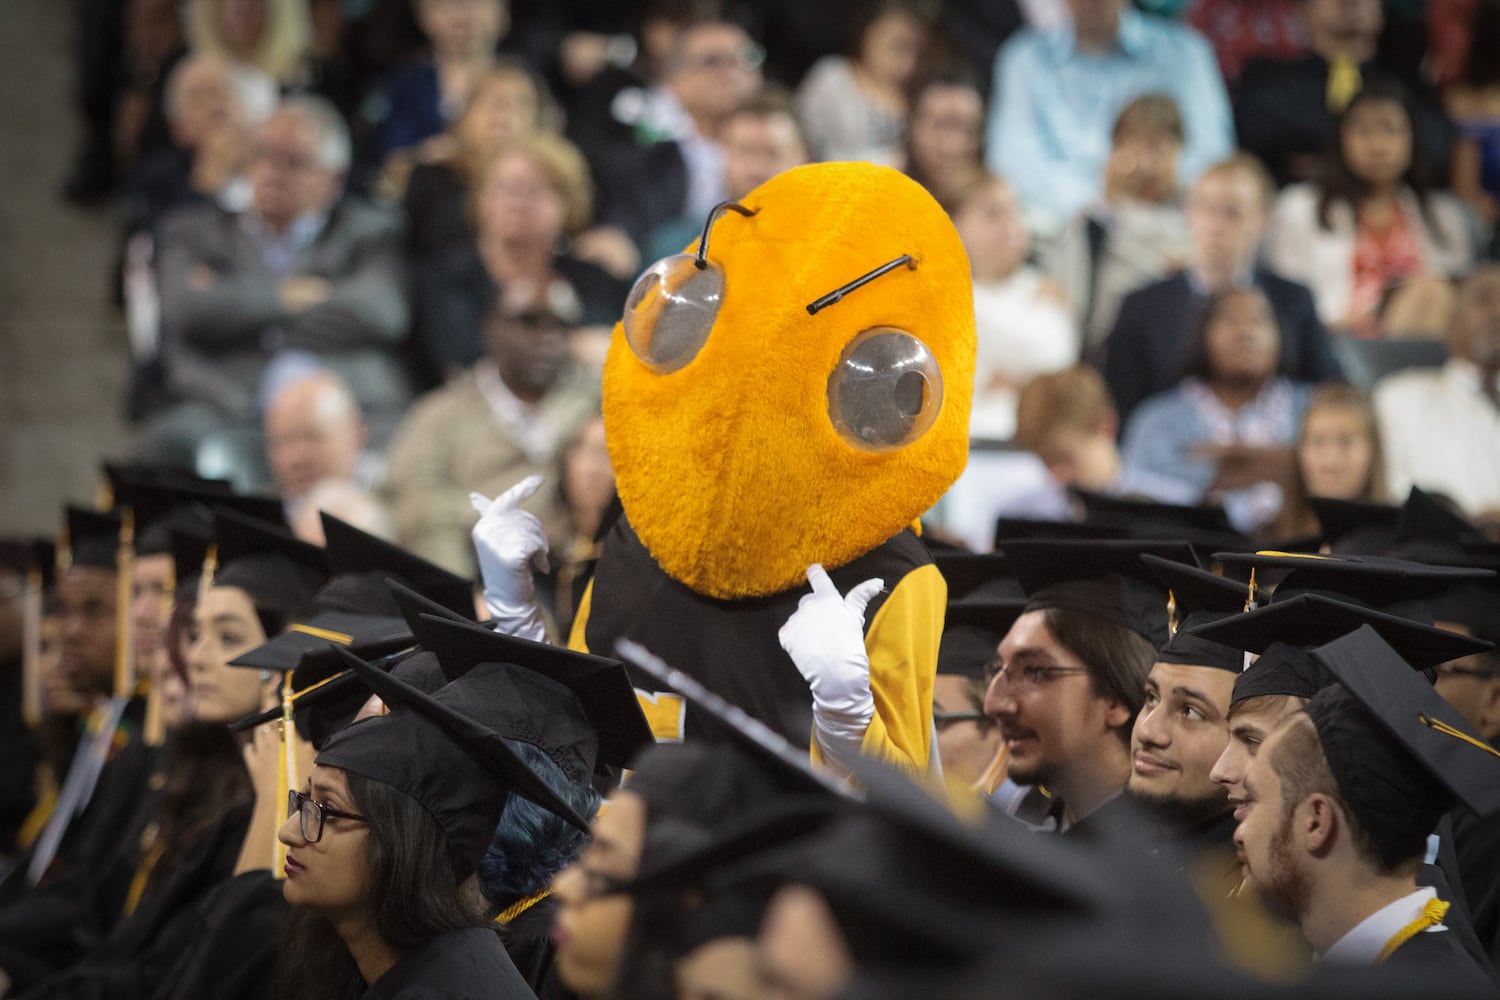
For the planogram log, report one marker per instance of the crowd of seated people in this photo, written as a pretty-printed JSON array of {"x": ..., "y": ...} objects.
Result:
[{"x": 365, "y": 199}]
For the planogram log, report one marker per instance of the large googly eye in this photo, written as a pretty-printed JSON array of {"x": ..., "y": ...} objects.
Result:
[
  {"x": 885, "y": 391},
  {"x": 671, "y": 310}
]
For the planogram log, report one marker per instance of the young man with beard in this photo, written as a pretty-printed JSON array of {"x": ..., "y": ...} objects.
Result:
[
  {"x": 1182, "y": 728},
  {"x": 1340, "y": 803},
  {"x": 1070, "y": 674}
]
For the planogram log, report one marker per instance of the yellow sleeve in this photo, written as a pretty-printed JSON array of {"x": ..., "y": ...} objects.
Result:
[
  {"x": 577, "y": 642},
  {"x": 902, "y": 643}
]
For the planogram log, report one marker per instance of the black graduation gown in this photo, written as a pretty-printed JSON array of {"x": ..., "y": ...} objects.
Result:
[
  {"x": 48, "y": 929},
  {"x": 143, "y": 947},
  {"x": 1442, "y": 955},
  {"x": 232, "y": 953},
  {"x": 730, "y": 647},
  {"x": 94, "y": 834},
  {"x": 18, "y": 759},
  {"x": 1476, "y": 842},
  {"x": 528, "y": 941},
  {"x": 1118, "y": 815},
  {"x": 470, "y": 964}
]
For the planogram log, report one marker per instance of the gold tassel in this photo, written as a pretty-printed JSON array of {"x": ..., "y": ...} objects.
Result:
[
  {"x": 286, "y": 778},
  {"x": 1250, "y": 593},
  {"x": 1171, "y": 613},
  {"x": 1457, "y": 734},
  {"x": 124, "y": 620},
  {"x": 156, "y": 721}
]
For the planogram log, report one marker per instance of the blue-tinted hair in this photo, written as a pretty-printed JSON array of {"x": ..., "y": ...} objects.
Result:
[{"x": 531, "y": 844}]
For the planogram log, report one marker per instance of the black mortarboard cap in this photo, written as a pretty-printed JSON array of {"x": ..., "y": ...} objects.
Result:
[
  {"x": 366, "y": 636},
  {"x": 93, "y": 537},
  {"x": 161, "y": 505},
  {"x": 279, "y": 571},
  {"x": 1105, "y": 579},
  {"x": 1203, "y": 524},
  {"x": 24, "y": 555},
  {"x": 1397, "y": 586},
  {"x": 1016, "y": 529},
  {"x": 189, "y": 550},
  {"x": 1355, "y": 527},
  {"x": 1405, "y": 754},
  {"x": 1281, "y": 632},
  {"x": 984, "y": 600},
  {"x": 745, "y": 730},
  {"x": 326, "y": 694},
  {"x": 600, "y": 685},
  {"x": 1198, "y": 597},
  {"x": 441, "y": 750},
  {"x": 351, "y": 550}
]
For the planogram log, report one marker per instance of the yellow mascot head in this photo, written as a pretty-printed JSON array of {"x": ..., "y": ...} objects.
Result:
[{"x": 798, "y": 390}]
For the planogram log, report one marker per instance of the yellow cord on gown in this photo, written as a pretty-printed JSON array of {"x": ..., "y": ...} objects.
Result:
[{"x": 1432, "y": 915}]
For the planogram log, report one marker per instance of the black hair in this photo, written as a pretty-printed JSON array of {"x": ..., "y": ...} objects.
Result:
[
  {"x": 1340, "y": 185},
  {"x": 1195, "y": 362},
  {"x": 531, "y": 844},
  {"x": 413, "y": 896}
]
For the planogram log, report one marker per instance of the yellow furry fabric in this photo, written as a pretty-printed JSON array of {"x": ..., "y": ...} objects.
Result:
[{"x": 730, "y": 469}]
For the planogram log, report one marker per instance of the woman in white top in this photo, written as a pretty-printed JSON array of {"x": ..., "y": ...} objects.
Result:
[
  {"x": 1372, "y": 242},
  {"x": 855, "y": 108},
  {"x": 1023, "y": 324}
]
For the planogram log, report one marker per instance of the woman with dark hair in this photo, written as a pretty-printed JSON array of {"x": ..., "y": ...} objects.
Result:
[
  {"x": 854, "y": 108},
  {"x": 945, "y": 133},
  {"x": 1228, "y": 428},
  {"x": 1372, "y": 240},
  {"x": 383, "y": 841},
  {"x": 585, "y": 490}
]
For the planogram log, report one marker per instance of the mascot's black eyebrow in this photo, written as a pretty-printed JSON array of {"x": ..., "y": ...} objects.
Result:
[
  {"x": 823, "y": 302},
  {"x": 700, "y": 259}
]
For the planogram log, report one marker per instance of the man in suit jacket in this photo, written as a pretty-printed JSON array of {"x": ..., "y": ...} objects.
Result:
[
  {"x": 302, "y": 279},
  {"x": 1227, "y": 212}
]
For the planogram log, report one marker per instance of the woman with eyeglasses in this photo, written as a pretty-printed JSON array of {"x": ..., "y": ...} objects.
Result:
[{"x": 383, "y": 843}]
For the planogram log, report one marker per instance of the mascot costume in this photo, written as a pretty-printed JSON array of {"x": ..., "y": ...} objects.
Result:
[{"x": 782, "y": 402}]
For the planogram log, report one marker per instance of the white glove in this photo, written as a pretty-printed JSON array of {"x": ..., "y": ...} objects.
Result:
[
  {"x": 825, "y": 637},
  {"x": 509, "y": 542}
]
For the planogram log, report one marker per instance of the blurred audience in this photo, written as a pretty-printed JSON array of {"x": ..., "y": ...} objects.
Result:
[
  {"x": 527, "y": 200},
  {"x": 501, "y": 420},
  {"x": 679, "y": 170},
  {"x": 266, "y": 41},
  {"x": 1228, "y": 428},
  {"x": 1021, "y": 318},
  {"x": 1284, "y": 108},
  {"x": 421, "y": 97},
  {"x": 1374, "y": 241},
  {"x": 945, "y": 133},
  {"x": 1227, "y": 212},
  {"x": 1338, "y": 456},
  {"x": 1474, "y": 103},
  {"x": 1243, "y": 30},
  {"x": 1137, "y": 233},
  {"x": 507, "y": 106},
  {"x": 855, "y": 107},
  {"x": 761, "y": 139},
  {"x": 1440, "y": 425},
  {"x": 155, "y": 45},
  {"x": 585, "y": 489},
  {"x": 1068, "y": 421},
  {"x": 315, "y": 440},
  {"x": 303, "y": 278},
  {"x": 209, "y": 148},
  {"x": 1057, "y": 94}
]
